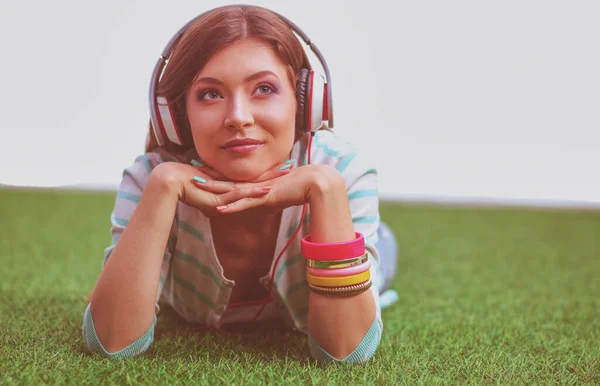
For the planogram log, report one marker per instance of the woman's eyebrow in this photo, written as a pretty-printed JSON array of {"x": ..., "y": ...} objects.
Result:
[{"x": 260, "y": 74}]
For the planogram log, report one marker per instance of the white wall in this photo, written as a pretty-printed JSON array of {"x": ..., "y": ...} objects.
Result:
[{"x": 462, "y": 98}]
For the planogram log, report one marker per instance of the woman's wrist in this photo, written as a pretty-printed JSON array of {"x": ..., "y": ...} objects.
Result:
[
  {"x": 325, "y": 181},
  {"x": 330, "y": 218},
  {"x": 164, "y": 181}
]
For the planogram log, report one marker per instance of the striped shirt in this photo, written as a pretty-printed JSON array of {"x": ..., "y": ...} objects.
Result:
[{"x": 192, "y": 281}]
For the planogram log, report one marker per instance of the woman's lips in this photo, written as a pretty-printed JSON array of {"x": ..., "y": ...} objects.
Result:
[{"x": 247, "y": 148}]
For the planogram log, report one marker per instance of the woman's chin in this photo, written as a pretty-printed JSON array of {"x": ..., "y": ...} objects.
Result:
[{"x": 241, "y": 175}]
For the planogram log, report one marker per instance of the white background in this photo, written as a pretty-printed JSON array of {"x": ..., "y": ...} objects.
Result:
[{"x": 471, "y": 99}]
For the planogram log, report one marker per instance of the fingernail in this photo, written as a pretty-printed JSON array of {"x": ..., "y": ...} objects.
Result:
[
  {"x": 197, "y": 163},
  {"x": 284, "y": 167},
  {"x": 221, "y": 207},
  {"x": 199, "y": 179},
  {"x": 265, "y": 188},
  {"x": 290, "y": 161}
]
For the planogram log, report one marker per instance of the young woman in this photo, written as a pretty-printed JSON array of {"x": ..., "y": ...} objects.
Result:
[{"x": 245, "y": 206}]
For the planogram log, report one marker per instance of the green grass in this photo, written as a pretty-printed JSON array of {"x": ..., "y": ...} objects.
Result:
[{"x": 507, "y": 296}]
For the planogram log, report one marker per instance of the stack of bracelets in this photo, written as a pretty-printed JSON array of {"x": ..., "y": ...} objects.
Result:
[{"x": 337, "y": 269}]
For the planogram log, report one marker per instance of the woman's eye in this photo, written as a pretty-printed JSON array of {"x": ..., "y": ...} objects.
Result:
[
  {"x": 265, "y": 89},
  {"x": 208, "y": 95}
]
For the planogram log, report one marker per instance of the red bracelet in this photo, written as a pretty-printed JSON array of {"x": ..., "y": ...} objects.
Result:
[{"x": 332, "y": 251}]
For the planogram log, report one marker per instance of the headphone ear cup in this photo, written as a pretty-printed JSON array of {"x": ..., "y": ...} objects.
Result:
[
  {"x": 302, "y": 96},
  {"x": 316, "y": 102},
  {"x": 310, "y": 94},
  {"x": 166, "y": 122}
]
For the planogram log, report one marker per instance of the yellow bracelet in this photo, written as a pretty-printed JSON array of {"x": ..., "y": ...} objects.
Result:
[{"x": 339, "y": 281}]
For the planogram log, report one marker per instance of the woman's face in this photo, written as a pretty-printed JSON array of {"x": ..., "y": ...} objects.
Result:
[{"x": 241, "y": 108}]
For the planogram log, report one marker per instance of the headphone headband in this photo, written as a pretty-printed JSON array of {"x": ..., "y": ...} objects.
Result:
[{"x": 163, "y": 59}]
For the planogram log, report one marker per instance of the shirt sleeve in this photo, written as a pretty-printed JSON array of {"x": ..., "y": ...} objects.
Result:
[
  {"x": 365, "y": 350},
  {"x": 93, "y": 343},
  {"x": 128, "y": 196}
]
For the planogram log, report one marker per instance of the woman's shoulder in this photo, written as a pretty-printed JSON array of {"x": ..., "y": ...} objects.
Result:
[
  {"x": 144, "y": 163},
  {"x": 331, "y": 144},
  {"x": 151, "y": 159},
  {"x": 328, "y": 148}
]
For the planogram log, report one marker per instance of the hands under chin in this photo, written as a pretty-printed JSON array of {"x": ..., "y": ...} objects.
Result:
[{"x": 280, "y": 187}]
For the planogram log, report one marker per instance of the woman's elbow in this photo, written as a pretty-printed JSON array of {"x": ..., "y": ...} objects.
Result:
[
  {"x": 361, "y": 354},
  {"x": 93, "y": 344}
]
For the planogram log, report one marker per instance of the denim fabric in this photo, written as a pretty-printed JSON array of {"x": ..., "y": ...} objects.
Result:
[{"x": 387, "y": 246}]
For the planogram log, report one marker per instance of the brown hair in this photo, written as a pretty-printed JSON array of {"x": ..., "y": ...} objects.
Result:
[{"x": 214, "y": 31}]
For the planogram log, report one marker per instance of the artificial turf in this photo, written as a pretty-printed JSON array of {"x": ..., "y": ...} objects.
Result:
[{"x": 487, "y": 295}]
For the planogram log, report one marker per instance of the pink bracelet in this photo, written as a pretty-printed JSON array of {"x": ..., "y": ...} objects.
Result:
[
  {"x": 338, "y": 272},
  {"x": 332, "y": 251}
]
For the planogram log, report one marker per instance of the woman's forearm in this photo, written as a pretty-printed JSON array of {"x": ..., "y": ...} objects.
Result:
[
  {"x": 338, "y": 324},
  {"x": 123, "y": 301}
]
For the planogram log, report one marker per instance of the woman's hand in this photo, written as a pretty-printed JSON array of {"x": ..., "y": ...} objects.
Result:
[
  {"x": 183, "y": 181},
  {"x": 292, "y": 189}
]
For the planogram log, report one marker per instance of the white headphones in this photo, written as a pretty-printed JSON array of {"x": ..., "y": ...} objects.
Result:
[{"x": 313, "y": 92}]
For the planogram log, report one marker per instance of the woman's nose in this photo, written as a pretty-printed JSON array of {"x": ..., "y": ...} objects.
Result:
[{"x": 239, "y": 113}]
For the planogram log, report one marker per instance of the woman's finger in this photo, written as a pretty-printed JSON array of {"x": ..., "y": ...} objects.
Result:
[
  {"x": 242, "y": 194},
  {"x": 220, "y": 187},
  {"x": 242, "y": 204},
  {"x": 207, "y": 202},
  {"x": 208, "y": 170},
  {"x": 214, "y": 186},
  {"x": 276, "y": 171}
]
